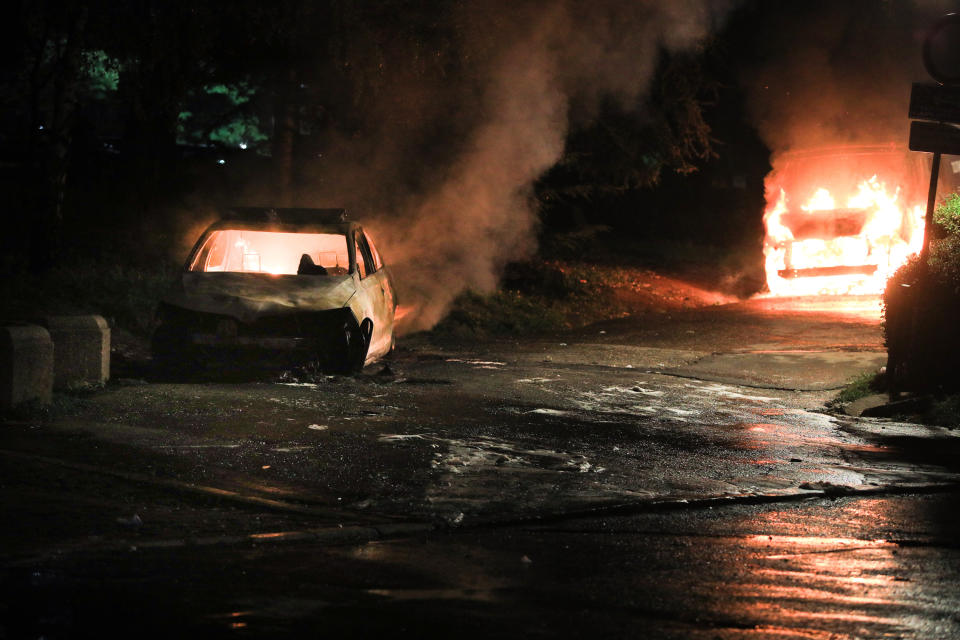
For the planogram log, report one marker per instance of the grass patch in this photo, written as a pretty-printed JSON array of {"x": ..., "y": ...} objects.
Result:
[
  {"x": 941, "y": 411},
  {"x": 501, "y": 313},
  {"x": 866, "y": 384},
  {"x": 552, "y": 295},
  {"x": 944, "y": 412}
]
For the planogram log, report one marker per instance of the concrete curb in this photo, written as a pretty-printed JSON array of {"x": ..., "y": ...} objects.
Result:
[
  {"x": 26, "y": 365},
  {"x": 81, "y": 350}
]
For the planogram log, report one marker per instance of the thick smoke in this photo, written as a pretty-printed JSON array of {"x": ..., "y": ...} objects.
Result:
[
  {"x": 450, "y": 168},
  {"x": 831, "y": 74}
]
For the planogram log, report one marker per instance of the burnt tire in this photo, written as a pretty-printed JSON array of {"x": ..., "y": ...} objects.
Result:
[{"x": 354, "y": 343}]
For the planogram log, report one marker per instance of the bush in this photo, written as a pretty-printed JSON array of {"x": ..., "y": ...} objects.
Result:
[
  {"x": 947, "y": 215},
  {"x": 922, "y": 311}
]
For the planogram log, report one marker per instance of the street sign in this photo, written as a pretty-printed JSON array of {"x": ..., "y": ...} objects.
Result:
[
  {"x": 940, "y": 52},
  {"x": 935, "y": 102},
  {"x": 934, "y": 137}
]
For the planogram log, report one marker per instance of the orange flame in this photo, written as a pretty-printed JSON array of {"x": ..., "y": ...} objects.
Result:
[{"x": 824, "y": 250}]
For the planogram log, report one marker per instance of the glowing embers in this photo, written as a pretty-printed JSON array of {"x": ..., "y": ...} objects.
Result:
[{"x": 822, "y": 248}]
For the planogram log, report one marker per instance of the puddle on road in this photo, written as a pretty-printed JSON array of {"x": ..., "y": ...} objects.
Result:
[
  {"x": 814, "y": 544},
  {"x": 703, "y": 401},
  {"x": 477, "y": 455},
  {"x": 479, "y": 474},
  {"x": 830, "y": 574}
]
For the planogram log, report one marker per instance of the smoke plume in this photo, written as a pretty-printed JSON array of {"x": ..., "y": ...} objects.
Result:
[
  {"x": 831, "y": 74},
  {"x": 450, "y": 159}
]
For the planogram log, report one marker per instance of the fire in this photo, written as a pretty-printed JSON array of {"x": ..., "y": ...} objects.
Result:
[
  {"x": 270, "y": 252},
  {"x": 821, "y": 201},
  {"x": 822, "y": 248}
]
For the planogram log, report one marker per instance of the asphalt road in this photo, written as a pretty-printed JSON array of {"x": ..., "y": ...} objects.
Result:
[
  {"x": 672, "y": 475},
  {"x": 852, "y": 567}
]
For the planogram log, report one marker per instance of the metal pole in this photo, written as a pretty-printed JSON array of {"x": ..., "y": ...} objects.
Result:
[
  {"x": 931, "y": 205},
  {"x": 919, "y": 292}
]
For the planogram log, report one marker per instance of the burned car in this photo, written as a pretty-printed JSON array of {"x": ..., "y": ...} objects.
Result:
[
  {"x": 274, "y": 285},
  {"x": 841, "y": 220}
]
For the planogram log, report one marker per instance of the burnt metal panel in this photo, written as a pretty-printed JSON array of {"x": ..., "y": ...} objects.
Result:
[
  {"x": 839, "y": 270},
  {"x": 825, "y": 225},
  {"x": 282, "y": 215}
]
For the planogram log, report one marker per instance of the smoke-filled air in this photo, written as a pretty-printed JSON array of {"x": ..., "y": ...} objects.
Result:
[
  {"x": 448, "y": 161},
  {"x": 831, "y": 74}
]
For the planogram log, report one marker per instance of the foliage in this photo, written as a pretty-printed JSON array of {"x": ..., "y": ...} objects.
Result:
[
  {"x": 947, "y": 215},
  {"x": 101, "y": 73},
  {"x": 628, "y": 147},
  {"x": 220, "y": 113},
  {"x": 298, "y": 81},
  {"x": 922, "y": 310}
]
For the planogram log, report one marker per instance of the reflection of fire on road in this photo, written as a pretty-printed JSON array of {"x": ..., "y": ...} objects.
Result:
[{"x": 833, "y": 226}]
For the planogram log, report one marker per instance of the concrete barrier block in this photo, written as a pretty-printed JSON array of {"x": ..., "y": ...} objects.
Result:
[
  {"x": 26, "y": 365},
  {"x": 81, "y": 349}
]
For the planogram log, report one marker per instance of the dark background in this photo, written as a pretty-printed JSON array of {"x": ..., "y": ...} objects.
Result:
[{"x": 637, "y": 133}]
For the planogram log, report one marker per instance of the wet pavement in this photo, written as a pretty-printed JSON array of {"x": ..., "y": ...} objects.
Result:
[
  {"x": 877, "y": 567},
  {"x": 655, "y": 476}
]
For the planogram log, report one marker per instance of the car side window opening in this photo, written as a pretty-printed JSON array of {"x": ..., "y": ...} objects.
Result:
[
  {"x": 364, "y": 249},
  {"x": 377, "y": 260},
  {"x": 363, "y": 259}
]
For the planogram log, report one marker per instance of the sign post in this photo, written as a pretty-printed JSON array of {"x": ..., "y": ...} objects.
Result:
[{"x": 935, "y": 109}]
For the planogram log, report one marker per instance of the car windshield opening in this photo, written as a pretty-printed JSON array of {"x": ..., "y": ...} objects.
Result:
[{"x": 273, "y": 252}]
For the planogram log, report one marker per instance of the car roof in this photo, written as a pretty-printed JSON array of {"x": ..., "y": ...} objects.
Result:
[{"x": 285, "y": 219}]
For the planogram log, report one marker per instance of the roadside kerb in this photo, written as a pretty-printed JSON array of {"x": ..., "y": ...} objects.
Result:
[
  {"x": 81, "y": 350},
  {"x": 26, "y": 365}
]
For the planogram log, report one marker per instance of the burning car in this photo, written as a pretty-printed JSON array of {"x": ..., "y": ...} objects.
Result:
[
  {"x": 842, "y": 220},
  {"x": 279, "y": 284}
]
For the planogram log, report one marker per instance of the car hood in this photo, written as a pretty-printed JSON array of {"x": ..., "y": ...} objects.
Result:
[{"x": 248, "y": 296}]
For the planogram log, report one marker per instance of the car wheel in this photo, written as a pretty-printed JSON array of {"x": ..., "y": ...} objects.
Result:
[{"x": 355, "y": 343}]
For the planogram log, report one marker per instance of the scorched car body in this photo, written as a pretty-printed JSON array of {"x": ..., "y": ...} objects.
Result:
[
  {"x": 279, "y": 284},
  {"x": 841, "y": 219}
]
